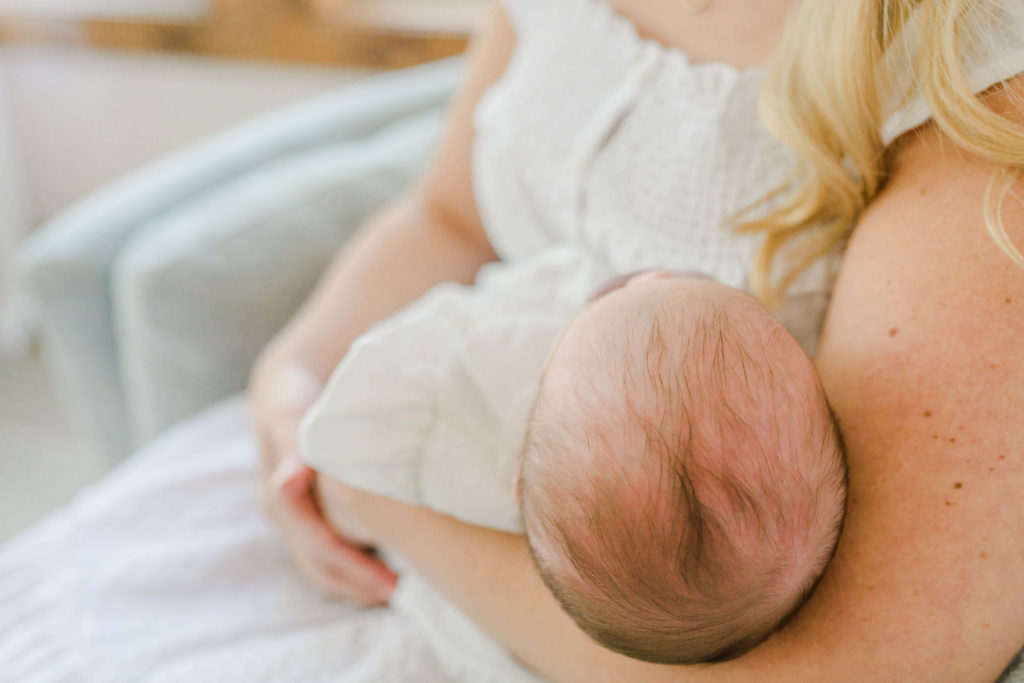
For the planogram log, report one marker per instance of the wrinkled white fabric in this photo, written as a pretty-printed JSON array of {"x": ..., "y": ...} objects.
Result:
[{"x": 594, "y": 138}]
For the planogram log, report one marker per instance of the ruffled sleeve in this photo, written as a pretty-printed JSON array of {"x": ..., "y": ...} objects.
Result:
[{"x": 995, "y": 53}]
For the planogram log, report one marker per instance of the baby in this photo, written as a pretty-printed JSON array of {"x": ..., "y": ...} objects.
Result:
[
  {"x": 680, "y": 479},
  {"x": 682, "y": 484}
]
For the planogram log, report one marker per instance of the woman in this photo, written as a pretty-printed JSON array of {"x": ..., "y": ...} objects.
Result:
[
  {"x": 630, "y": 127},
  {"x": 926, "y": 583}
]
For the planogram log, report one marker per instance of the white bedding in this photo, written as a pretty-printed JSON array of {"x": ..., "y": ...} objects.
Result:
[{"x": 167, "y": 571}]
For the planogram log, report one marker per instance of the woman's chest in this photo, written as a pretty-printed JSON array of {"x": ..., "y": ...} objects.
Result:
[
  {"x": 599, "y": 137},
  {"x": 737, "y": 32}
]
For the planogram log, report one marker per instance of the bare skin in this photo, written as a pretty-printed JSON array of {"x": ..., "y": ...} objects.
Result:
[{"x": 920, "y": 358}]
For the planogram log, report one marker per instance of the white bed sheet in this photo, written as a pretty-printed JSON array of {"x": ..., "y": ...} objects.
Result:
[{"x": 168, "y": 571}]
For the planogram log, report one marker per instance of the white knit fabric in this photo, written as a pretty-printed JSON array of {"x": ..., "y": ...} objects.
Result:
[{"x": 594, "y": 138}]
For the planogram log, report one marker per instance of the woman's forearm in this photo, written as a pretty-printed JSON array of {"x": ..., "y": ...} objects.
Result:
[
  {"x": 432, "y": 234},
  {"x": 400, "y": 254},
  {"x": 404, "y": 251}
]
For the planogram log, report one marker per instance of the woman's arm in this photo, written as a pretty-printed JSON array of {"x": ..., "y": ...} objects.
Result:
[
  {"x": 923, "y": 361},
  {"x": 429, "y": 235}
]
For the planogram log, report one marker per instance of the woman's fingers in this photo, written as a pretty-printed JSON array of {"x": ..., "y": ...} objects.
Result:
[
  {"x": 338, "y": 563},
  {"x": 332, "y": 566},
  {"x": 364, "y": 571},
  {"x": 344, "y": 568},
  {"x": 334, "y": 584},
  {"x": 294, "y": 479},
  {"x": 360, "y": 567}
]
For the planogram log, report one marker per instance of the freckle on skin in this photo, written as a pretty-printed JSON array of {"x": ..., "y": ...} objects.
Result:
[
  {"x": 991, "y": 469},
  {"x": 958, "y": 485},
  {"x": 894, "y": 331},
  {"x": 952, "y": 440},
  {"x": 983, "y": 556},
  {"x": 950, "y": 503},
  {"x": 927, "y": 413},
  {"x": 935, "y": 436},
  {"x": 1002, "y": 457},
  {"x": 1009, "y": 301}
]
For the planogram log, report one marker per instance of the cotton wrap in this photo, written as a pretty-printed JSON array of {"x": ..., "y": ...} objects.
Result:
[{"x": 430, "y": 408}]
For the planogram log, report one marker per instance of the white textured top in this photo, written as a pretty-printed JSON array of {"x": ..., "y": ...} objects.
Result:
[{"x": 613, "y": 143}]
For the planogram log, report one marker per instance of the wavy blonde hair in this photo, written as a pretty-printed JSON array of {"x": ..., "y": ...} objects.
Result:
[{"x": 825, "y": 95}]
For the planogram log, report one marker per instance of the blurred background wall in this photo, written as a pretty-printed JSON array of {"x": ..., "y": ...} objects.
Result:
[
  {"x": 91, "y": 90},
  {"x": 82, "y": 118}
]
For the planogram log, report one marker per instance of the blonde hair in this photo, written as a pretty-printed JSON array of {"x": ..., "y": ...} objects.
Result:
[{"x": 826, "y": 94}]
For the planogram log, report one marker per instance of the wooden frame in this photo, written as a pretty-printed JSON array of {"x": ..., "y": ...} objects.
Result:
[{"x": 383, "y": 34}]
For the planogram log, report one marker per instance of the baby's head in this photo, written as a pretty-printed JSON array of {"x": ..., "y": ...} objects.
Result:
[{"x": 682, "y": 484}]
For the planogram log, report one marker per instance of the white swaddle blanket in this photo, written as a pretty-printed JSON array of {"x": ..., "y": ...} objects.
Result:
[{"x": 430, "y": 408}]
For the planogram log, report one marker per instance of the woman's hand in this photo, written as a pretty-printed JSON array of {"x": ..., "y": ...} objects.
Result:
[
  {"x": 282, "y": 391},
  {"x": 338, "y": 566}
]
